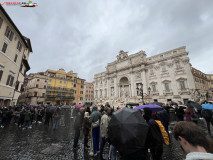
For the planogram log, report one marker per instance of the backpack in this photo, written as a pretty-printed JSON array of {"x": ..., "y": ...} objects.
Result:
[{"x": 163, "y": 132}]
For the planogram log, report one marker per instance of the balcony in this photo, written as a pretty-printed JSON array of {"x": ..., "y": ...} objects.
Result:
[
  {"x": 184, "y": 91},
  {"x": 167, "y": 92},
  {"x": 56, "y": 89}
]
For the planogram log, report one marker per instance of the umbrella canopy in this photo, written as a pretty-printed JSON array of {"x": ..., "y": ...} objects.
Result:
[
  {"x": 132, "y": 104},
  {"x": 128, "y": 130},
  {"x": 192, "y": 104},
  {"x": 153, "y": 107},
  {"x": 157, "y": 103},
  {"x": 207, "y": 106},
  {"x": 78, "y": 106}
]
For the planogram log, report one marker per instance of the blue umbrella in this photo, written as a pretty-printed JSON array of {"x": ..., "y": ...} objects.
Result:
[
  {"x": 153, "y": 107},
  {"x": 207, "y": 106}
]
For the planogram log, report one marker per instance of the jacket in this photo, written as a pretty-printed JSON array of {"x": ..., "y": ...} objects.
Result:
[
  {"x": 95, "y": 116},
  {"x": 78, "y": 121},
  {"x": 104, "y": 125},
  {"x": 199, "y": 155}
]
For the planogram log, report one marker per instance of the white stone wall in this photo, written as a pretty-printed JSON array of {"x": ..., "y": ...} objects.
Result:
[{"x": 137, "y": 68}]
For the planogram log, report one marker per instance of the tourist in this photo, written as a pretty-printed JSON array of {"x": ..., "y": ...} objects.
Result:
[
  {"x": 207, "y": 115},
  {"x": 193, "y": 141},
  {"x": 56, "y": 117},
  {"x": 95, "y": 124},
  {"x": 105, "y": 119},
  {"x": 179, "y": 113},
  {"x": 86, "y": 130},
  {"x": 154, "y": 139},
  {"x": 189, "y": 114},
  {"x": 27, "y": 118},
  {"x": 77, "y": 126}
]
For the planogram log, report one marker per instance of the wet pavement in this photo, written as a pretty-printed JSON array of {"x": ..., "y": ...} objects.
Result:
[{"x": 44, "y": 143}]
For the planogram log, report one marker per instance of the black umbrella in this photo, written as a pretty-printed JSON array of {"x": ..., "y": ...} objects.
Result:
[
  {"x": 157, "y": 103},
  {"x": 192, "y": 104},
  {"x": 132, "y": 104},
  {"x": 128, "y": 131}
]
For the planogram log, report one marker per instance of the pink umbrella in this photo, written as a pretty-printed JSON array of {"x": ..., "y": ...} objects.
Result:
[{"x": 78, "y": 106}]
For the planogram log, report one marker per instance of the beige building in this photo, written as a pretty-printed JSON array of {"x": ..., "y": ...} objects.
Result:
[
  {"x": 14, "y": 54},
  {"x": 210, "y": 77},
  {"x": 88, "y": 92},
  {"x": 35, "y": 89},
  {"x": 164, "y": 77},
  {"x": 202, "y": 84}
]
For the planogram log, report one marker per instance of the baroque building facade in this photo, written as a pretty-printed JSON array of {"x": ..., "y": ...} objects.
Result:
[{"x": 163, "y": 77}]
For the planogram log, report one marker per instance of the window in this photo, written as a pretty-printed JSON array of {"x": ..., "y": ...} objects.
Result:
[
  {"x": 49, "y": 86},
  {"x": 43, "y": 94},
  {"x": 154, "y": 88},
  {"x": 19, "y": 46},
  {"x": 38, "y": 80},
  {"x": 45, "y": 87},
  {"x": 59, "y": 88},
  {"x": 182, "y": 85},
  {"x": 4, "y": 48},
  {"x": 17, "y": 85},
  {"x": 9, "y": 34},
  {"x": 50, "y": 80},
  {"x": 35, "y": 94},
  {"x": 163, "y": 68},
  {"x": 1, "y": 73},
  {"x": 81, "y": 98},
  {"x": 60, "y": 81},
  {"x": 151, "y": 71},
  {"x": 167, "y": 86},
  {"x": 45, "y": 81},
  {"x": 81, "y": 92},
  {"x": 1, "y": 21},
  {"x": 64, "y": 82},
  {"x": 82, "y": 86},
  {"x": 74, "y": 85},
  {"x": 15, "y": 59},
  {"x": 36, "y": 85},
  {"x": 10, "y": 80},
  {"x": 58, "y": 76}
]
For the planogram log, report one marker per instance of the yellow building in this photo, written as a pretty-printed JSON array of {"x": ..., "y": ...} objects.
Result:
[{"x": 62, "y": 87}]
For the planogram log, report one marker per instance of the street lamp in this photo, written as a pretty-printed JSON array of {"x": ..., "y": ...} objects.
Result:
[{"x": 140, "y": 91}]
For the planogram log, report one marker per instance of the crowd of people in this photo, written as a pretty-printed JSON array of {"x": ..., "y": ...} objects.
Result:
[
  {"x": 24, "y": 116},
  {"x": 94, "y": 123},
  {"x": 95, "y": 126}
]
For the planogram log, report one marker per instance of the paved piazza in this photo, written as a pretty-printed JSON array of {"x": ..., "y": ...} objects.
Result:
[{"x": 42, "y": 142}]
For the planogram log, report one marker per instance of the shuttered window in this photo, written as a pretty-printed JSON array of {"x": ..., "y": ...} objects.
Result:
[
  {"x": 15, "y": 59},
  {"x": 9, "y": 34},
  {"x": 19, "y": 46},
  {"x": 4, "y": 48},
  {"x": 1, "y": 73},
  {"x": 10, "y": 80},
  {"x": 1, "y": 21}
]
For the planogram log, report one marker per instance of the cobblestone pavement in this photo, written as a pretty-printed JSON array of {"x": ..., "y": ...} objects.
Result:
[{"x": 42, "y": 143}]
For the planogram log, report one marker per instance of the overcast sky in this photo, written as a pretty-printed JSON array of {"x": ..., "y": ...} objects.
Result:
[{"x": 85, "y": 35}]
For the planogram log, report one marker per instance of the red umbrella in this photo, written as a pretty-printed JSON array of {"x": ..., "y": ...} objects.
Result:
[{"x": 78, "y": 106}]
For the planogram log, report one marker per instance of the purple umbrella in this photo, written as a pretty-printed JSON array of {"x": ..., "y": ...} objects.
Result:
[{"x": 153, "y": 107}]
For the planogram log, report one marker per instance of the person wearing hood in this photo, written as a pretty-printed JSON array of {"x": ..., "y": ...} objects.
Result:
[
  {"x": 95, "y": 130},
  {"x": 77, "y": 126},
  {"x": 193, "y": 141}
]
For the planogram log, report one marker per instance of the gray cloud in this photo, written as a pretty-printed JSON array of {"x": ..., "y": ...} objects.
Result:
[{"x": 84, "y": 36}]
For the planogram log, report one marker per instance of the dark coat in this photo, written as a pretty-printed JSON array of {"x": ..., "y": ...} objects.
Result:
[
  {"x": 78, "y": 121},
  {"x": 87, "y": 126}
]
